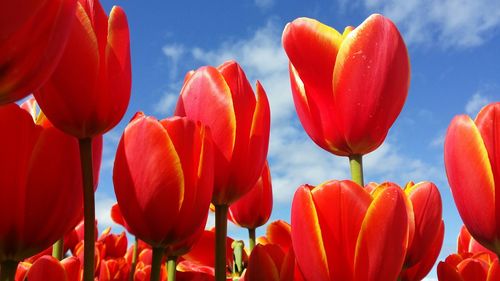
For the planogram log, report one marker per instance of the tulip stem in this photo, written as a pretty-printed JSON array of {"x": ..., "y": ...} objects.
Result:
[
  {"x": 251, "y": 238},
  {"x": 171, "y": 267},
  {"x": 8, "y": 270},
  {"x": 156, "y": 263},
  {"x": 356, "y": 162},
  {"x": 134, "y": 259},
  {"x": 58, "y": 249},
  {"x": 220, "y": 242},
  {"x": 88, "y": 208}
]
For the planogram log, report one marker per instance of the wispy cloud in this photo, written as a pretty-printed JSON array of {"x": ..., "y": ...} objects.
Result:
[
  {"x": 475, "y": 103},
  {"x": 264, "y": 4},
  {"x": 173, "y": 52},
  {"x": 450, "y": 23}
]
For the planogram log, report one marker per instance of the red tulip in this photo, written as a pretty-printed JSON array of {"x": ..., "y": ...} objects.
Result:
[
  {"x": 479, "y": 267},
  {"x": 223, "y": 99},
  {"x": 269, "y": 262},
  {"x": 254, "y": 208},
  {"x": 201, "y": 258},
  {"x": 278, "y": 233},
  {"x": 472, "y": 160},
  {"x": 348, "y": 88},
  {"x": 33, "y": 34},
  {"x": 163, "y": 177},
  {"x": 40, "y": 187},
  {"x": 341, "y": 232},
  {"x": 88, "y": 93},
  {"x": 427, "y": 232},
  {"x": 467, "y": 245},
  {"x": 116, "y": 245},
  {"x": 49, "y": 268}
]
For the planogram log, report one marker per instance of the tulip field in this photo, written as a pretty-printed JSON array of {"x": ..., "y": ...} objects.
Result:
[{"x": 66, "y": 82}]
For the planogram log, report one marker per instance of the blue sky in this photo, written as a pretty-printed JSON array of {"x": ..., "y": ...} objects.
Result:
[{"x": 455, "y": 63}]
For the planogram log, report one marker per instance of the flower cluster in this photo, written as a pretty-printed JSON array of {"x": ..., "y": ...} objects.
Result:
[{"x": 348, "y": 88}]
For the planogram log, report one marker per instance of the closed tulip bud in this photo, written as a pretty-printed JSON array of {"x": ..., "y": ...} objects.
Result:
[
  {"x": 163, "y": 178},
  {"x": 89, "y": 91},
  {"x": 33, "y": 35},
  {"x": 472, "y": 161},
  {"x": 254, "y": 208},
  {"x": 222, "y": 99},
  {"x": 49, "y": 268},
  {"x": 348, "y": 88},
  {"x": 428, "y": 230},
  {"x": 40, "y": 187},
  {"x": 342, "y": 232}
]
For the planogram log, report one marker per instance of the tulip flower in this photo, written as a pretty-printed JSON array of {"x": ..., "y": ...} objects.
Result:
[
  {"x": 348, "y": 88},
  {"x": 341, "y": 232},
  {"x": 201, "y": 257},
  {"x": 39, "y": 184},
  {"x": 240, "y": 125},
  {"x": 254, "y": 208},
  {"x": 49, "y": 268},
  {"x": 478, "y": 267},
  {"x": 426, "y": 230},
  {"x": 472, "y": 161},
  {"x": 33, "y": 35},
  {"x": 89, "y": 91},
  {"x": 163, "y": 178}
]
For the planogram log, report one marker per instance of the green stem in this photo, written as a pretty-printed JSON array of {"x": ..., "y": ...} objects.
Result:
[
  {"x": 134, "y": 259},
  {"x": 88, "y": 208},
  {"x": 238, "y": 249},
  {"x": 251, "y": 238},
  {"x": 156, "y": 263},
  {"x": 220, "y": 242},
  {"x": 356, "y": 162},
  {"x": 8, "y": 270},
  {"x": 58, "y": 249},
  {"x": 171, "y": 268}
]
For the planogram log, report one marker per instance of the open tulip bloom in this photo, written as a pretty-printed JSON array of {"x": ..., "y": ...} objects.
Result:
[{"x": 348, "y": 88}]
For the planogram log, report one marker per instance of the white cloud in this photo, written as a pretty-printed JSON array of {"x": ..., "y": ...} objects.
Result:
[
  {"x": 264, "y": 4},
  {"x": 438, "y": 141},
  {"x": 173, "y": 52},
  {"x": 103, "y": 204},
  {"x": 475, "y": 103},
  {"x": 451, "y": 23}
]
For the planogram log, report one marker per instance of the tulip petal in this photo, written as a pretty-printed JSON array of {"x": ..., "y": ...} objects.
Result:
[
  {"x": 375, "y": 54},
  {"x": 341, "y": 207},
  {"x": 427, "y": 210},
  {"x": 312, "y": 49},
  {"x": 307, "y": 238},
  {"x": 471, "y": 178},
  {"x": 448, "y": 273},
  {"x": 382, "y": 241},
  {"x": 279, "y": 233},
  {"x": 473, "y": 270},
  {"x": 488, "y": 124},
  {"x": 424, "y": 266},
  {"x": 317, "y": 117},
  {"x": 261, "y": 266},
  {"x": 54, "y": 151},
  {"x": 207, "y": 86}
]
